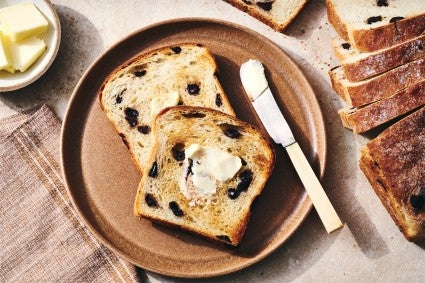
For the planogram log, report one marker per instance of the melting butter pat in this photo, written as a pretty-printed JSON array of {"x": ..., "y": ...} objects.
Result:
[
  {"x": 253, "y": 78},
  {"x": 203, "y": 168},
  {"x": 25, "y": 52},
  {"x": 161, "y": 102},
  {"x": 22, "y": 21}
]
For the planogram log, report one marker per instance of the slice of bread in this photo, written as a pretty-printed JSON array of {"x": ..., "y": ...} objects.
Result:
[
  {"x": 342, "y": 49},
  {"x": 278, "y": 14},
  {"x": 394, "y": 164},
  {"x": 359, "y": 66},
  {"x": 133, "y": 94},
  {"x": 370, "y": 90},
  {"x": 372, "y": 115},
  {"x": 370, "y": 25},
  {"x": 222, "y": 215}
]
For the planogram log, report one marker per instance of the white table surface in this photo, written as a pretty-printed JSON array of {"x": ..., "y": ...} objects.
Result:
[{"x": 369, "y": 248}]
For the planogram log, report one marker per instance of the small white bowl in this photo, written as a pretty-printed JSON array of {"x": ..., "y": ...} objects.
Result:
[{"x": 52, "y": 37}]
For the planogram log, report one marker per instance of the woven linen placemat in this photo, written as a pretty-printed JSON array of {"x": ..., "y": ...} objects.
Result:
[{"x": 42, "y": 238}]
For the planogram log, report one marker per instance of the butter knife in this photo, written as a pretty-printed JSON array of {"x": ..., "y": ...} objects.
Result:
[{"x": 256, "y": 86}]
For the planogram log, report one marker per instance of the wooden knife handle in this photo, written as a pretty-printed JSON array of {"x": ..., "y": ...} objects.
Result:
[{"x": 314, "y": 189}]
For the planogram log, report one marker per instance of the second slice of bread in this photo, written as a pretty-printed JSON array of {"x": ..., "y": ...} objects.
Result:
[
  {"x": 370, "y": 90},
  {"x": 359, "y": 66},
  {"x": 365, "y": 118},
  {"x": 135, "y": 92},
  {"x": 218, "y": 216}
]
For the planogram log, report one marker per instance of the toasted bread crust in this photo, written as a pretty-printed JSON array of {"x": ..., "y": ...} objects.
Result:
[
  {"x": 372, "y": 115},
  {"x": 223, "y": 219},
  {"x": 379, "y": 87},
  {"x": 363, "y": 66},
  {"x": 394, "y": 164},
  {"x": 369, "y": 40}
]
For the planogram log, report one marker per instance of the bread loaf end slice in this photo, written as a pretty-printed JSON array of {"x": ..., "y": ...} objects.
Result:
[{"x": 394, "y": 164}]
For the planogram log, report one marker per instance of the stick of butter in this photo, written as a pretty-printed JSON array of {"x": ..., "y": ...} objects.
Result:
[
  {"x": 4, "y": 54},
  {"x": 25, "y": 52},
  {"x": 22, "y": 21}
]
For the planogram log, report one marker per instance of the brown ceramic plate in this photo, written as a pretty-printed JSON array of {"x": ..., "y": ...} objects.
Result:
[{"x": 102, "y": 180}]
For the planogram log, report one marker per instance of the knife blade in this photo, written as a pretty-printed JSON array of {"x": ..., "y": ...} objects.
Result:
[{"x": 256, "y": 86}]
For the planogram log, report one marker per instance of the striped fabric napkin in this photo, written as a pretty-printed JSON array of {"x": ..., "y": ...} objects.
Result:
[{"x": 42, "y": 238}]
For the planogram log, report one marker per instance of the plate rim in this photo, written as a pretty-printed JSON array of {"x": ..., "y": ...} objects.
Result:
[{"x": 320, "y": 127}]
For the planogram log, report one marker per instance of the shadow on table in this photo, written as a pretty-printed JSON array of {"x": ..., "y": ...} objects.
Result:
[
  {"x": 80, "y": 45},
  {"x": 343, "y": 195},
  {"x": 338, "y": 180}
]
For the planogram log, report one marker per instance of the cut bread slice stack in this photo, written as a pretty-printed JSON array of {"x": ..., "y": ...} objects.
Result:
[
  {"x": 381, "y": 50},
  {"x": 195, "y": 148},
  {"x": 394, "y": 163},
  {"x": 382, "y": 80},
  {"x": 134, "y": 93},
  {"x": 278, "y": 14}
]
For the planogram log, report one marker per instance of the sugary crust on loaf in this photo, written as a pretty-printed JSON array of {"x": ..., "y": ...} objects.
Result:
[
  {"x": 363, "y": 66},
  {"x": 139, "y": 144},
  {"x": 369, "y": 40},
  {"x": 276, "y": 22},
  {"x": 361, "y": 93},
  {"x": 394, "y": 164},
  {"x": 372, "y": 115},
  {"x": 374, "y": 38},
  {"x": 214, "y": 219}
]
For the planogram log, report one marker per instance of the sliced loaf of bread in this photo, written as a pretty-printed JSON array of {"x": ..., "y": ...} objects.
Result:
[
  {"x": 278, "y": 14},
  {"x": 358, "y": 66},
  {"x": 370, "y": 90},
  {"x": 205, "y": 171},
  {"x": 394, "y": 163},
  {"x": 370, "y": 25},
  {"x": 375, "y": 114},
  {"x": 133, "y": 94}
]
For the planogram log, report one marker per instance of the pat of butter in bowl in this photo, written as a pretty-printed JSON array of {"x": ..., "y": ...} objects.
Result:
[
  {"x": 4, "y": 55},
  {"x": 20, "y": 48}
]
